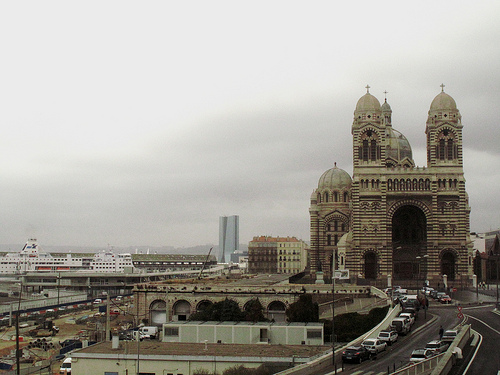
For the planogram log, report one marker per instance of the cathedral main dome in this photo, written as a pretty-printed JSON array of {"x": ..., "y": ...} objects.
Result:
[
  {"x": 335, "y": 179},
  {"x": 398, "y": 148},
  {"x": 367, "y": 103}
]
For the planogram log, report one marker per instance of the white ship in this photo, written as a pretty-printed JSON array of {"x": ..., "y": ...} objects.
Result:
[{"x": 32, "y": 259}]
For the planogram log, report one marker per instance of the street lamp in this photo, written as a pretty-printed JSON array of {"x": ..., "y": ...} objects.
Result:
[{"x": 420, "y": 260}]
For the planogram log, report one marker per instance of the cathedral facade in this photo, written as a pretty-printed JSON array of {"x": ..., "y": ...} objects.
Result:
[{"x": 393, "y": 220}]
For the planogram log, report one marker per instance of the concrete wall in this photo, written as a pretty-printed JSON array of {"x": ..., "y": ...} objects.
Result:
[{"x": 240, "y": 333}]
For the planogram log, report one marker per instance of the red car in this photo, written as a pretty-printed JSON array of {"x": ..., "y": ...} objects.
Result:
[{"x": 445, "y": 299}]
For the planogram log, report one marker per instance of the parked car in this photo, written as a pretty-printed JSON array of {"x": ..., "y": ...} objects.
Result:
[
  {"x": 401, "y": 325},
  {"x": 355, "y": 354},
  {"x": 419, "y": 355},
  {"x": 439, "y": 295},
  {"x": 97, "y": 301},
  {"x": 388, "y": 337},
  {"x": 449, "y": 335},
  {"x": 374, "y": 346},
  {"x": 437, "y": 346},
  {"x": 408, "y": 315},
  {"x": 412, "y": 311},
  {"x": 445, "y": 299},
  {"x": 411, "y": 300}
]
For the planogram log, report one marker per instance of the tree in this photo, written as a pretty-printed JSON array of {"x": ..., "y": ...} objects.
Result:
[
  {"x": 226, "y": 310},
  {"x": 254, "y": 311},
  {"x": 304, "y": 310}
]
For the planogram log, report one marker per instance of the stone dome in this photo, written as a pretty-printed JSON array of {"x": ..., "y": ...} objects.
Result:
[
  {"x": 368, "y": 103},
  {"x": 386, "y": 107},
  {"x": 443, "y": 102},
  {"x": 335, "y": 179},
  {"x": 398, "y": 148}
]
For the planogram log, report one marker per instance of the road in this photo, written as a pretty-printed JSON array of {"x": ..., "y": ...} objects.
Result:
[
  {"x": 487, "y": 323},
  {"x": 396, "y": 356}
]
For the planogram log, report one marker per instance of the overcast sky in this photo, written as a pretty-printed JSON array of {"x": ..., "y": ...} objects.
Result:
[{"x": 140, "y": 123}]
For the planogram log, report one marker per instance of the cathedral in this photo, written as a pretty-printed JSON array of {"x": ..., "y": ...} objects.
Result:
[{"x": 393, "y": 222}]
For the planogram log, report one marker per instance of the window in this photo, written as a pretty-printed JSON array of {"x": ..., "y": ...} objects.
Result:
[
  {"x": 172, "y": 331},
  {"x": 313, "y": 334},
  {"x": 110, "y": 373}
]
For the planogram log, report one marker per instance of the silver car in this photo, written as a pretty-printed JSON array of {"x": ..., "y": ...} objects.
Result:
[{"x": 374, "y": 346}]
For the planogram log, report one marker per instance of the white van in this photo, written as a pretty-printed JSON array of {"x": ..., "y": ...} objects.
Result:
[
  {"x": 65, "y": 367},
  {"x": 146, "y": 333}
]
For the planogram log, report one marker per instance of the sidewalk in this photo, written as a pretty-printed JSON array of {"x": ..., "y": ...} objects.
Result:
[{"x": 468, "y": 297}]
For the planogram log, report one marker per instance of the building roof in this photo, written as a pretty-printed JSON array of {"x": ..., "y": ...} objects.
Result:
[
  {"x": 156, "y": 348},
  {"x": 443, "y": 101},
  {"x": 172, "y": 257},
  {"x": 335, "y": 179},
  {"x": 274, "y": 239},
  {"x": 231, "y": 323},
  {"x": 368, "y": 103}
]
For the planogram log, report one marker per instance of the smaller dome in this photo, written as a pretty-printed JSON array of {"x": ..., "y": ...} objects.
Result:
[
  {"x": 443, "y": 102},
  {"x": 386, "y": 107},
  {"x": 368, "y": 103},
  {"x": 335, "y": 179}
]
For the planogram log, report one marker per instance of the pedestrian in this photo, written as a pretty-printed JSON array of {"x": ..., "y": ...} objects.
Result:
[{"x": 441, "y": 331}]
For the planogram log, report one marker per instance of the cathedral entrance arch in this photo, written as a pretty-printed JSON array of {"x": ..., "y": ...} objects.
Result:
[
  {"x": 370, "y": 265},
  {"x": 409, "y": 241},
  {"x": 448, "y": 261}
]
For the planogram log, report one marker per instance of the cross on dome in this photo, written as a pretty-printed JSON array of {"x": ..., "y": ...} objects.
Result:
[
  {"x": 442, "y": 87},
  {"x": 367, "y": 89},
  {"x": 385, "y": 93}
]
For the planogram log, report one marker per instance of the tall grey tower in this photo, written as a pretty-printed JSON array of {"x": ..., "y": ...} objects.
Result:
[{"x": 229, "y": 237}]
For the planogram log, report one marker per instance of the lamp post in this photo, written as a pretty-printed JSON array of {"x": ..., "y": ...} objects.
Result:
[
  {"x": 421, "y": 259},
  {"x": 333, "y": 316},
  {"x": 58, "y": 286}
]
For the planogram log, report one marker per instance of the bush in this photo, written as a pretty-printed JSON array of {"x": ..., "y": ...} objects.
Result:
[{"x": 352, "y": 325}]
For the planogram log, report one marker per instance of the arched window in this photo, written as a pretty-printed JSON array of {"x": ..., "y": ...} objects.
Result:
[
  {"x": 447, "y": 149},
  {"x": 369, "y": 150},
  {"x": 326, "y": 197},
  {"x": 442, "y": 149},
  {"x": 450, "y": 149},
  {"x": 346, "y": 196},
  {"x": 366, "y": 150},
  {"x": 373, "y": 150}
]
